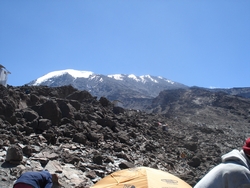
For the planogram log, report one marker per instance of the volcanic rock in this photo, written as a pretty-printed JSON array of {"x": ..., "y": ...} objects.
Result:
[
  {"x": 83, "y": 139},
  {"x": 14, "y": 154}
]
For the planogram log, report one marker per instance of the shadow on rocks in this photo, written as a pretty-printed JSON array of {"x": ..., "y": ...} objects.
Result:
[{"x": 8, "y": 165}]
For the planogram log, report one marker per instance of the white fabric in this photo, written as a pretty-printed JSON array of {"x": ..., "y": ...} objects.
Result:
[
  {"x": 233, "y": 172},
  {"x": 3, "y": 77}
]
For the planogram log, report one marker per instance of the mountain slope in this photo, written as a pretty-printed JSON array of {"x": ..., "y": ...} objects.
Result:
[
  {"x": 200, "y": 107},
  {"x": 78, "y": 134},
  {"x": 242, "y": 92}
]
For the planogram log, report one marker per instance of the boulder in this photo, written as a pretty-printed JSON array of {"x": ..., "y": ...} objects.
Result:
[
  {"x": 14, "y": 154},
  {"x": 80, "y": 138},
  {"x": 50, "y": 110},
  {"x": 30, "y": 115}
]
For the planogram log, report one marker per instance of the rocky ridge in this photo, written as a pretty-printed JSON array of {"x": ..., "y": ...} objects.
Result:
[{"x": 82, "y": 138}]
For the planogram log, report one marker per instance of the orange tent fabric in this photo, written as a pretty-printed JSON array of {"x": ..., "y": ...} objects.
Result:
[{"x": 141, "y": 177}]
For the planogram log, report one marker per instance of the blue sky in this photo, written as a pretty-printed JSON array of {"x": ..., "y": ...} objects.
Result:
[{"x": 195, "y": 42}]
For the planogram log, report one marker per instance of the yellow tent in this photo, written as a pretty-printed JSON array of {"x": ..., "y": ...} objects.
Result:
[{"x": 141, "y": 177}]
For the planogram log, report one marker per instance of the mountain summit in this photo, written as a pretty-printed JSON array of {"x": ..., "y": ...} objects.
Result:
[{"x": 113, "y": 87}]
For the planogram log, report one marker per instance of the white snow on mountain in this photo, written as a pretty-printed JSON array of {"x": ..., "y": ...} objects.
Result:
[
  {"x": 169, "y": 81},
  {"x": 134, "y": 77},
  {"x": 142, "y": 79},
  {"x": 146, "y": 77},
  {"x": 116, "y": 76},
  {"x": 90, "y": 75},
  {"x": 73, "y": 73}
]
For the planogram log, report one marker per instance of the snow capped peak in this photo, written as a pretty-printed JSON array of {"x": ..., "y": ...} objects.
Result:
[
  {"x": 148, "y": 77},
  {"x": 116, "y": 76},
  {"x": 134, "y": 77},
  {"x": 72, "y": 72},
  {"x": 49, "y": 78},
  {"x": 169, "y": 81},
  {"x": 79, "y": 74}
]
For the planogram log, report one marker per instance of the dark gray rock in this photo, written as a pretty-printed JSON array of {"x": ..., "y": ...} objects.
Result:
[
  {"x": 50, "y": 110},
  {"x": 98, "y": 159},
  {"x": 125, "y": 165},
  {"x": 14, "y": 154},
  {"x": 43, "y": 124},
  {"x": 194, "y": 162},
  {"x": 30, "y": 115},
  {"x": 80, "y": 138}
]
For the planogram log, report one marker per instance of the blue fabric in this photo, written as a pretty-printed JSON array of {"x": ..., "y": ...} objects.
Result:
[{"x": 41, "y": 179}]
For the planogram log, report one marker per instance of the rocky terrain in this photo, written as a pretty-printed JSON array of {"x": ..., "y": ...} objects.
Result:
[{"x": 83, "y": 139}]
